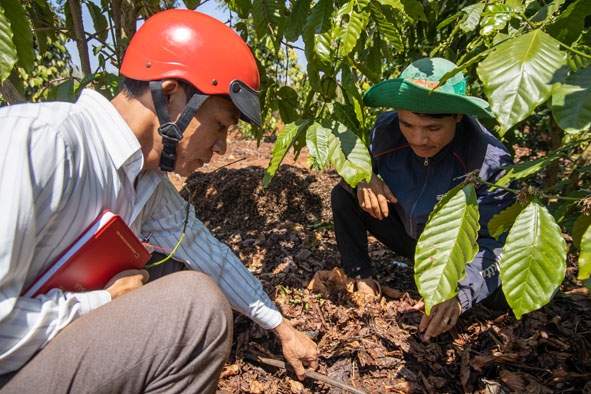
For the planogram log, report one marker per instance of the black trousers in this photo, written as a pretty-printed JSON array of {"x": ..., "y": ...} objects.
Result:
[{"x": 352, "y": 224}]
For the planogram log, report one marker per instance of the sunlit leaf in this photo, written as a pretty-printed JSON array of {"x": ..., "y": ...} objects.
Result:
[
  {"x": 317, "y": 138},
  {"x": 325, "y": 49},
  {"x": 285, "y": 140},
  {"x": 351, "y": 26},
  {"x": 472, "y": 18},
  {"x": 520, "y": 74},
  {"x": 571, "y": 102},
  {"x": 333, "y": 144},
  {"x": 585, "y": 256},
  {"x": 22, "y": 38},
  {"x": 495, "y": 17},
  {"x": 534, "y": 260},
  {"x": 7, "y": 48},
  {"x": 446, "y": 244}
]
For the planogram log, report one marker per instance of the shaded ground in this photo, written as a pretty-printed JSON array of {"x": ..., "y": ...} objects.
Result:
[{"x": 284, "y": 236}]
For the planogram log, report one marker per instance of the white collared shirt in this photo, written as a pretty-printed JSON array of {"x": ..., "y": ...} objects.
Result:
[{"x": 63, "y": 164}]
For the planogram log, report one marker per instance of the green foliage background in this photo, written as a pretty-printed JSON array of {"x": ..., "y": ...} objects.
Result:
[{"x": 530, "y": 60}]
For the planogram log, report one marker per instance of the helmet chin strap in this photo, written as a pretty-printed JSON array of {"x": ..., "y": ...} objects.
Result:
[{"x": 172, "y": 133}]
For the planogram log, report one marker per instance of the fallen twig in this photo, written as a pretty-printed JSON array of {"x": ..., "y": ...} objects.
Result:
[{"x": 310, "y": 374}]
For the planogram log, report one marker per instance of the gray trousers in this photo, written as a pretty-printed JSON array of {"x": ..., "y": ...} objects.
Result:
[{"x": 172, "y": 335}]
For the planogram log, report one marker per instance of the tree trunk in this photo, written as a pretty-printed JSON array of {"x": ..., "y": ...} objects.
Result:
[
  {"x": 81, "y": 44},
  {"x": 10, "y": 93}
]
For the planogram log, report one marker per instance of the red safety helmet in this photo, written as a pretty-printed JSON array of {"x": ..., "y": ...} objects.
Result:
[{"x": 189, "y": 45}]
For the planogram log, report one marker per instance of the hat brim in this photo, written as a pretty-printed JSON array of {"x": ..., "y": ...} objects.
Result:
[{"x": 399, "y": 93}]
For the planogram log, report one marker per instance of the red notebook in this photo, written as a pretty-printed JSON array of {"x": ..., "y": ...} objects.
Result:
[{"x": 105, "y": 248}]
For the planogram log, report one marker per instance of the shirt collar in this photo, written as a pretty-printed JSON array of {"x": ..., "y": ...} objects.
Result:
[{"x": 122, "y": 144}]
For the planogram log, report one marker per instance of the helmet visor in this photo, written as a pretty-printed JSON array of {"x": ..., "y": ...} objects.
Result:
[{"x": 246, "y": 100}]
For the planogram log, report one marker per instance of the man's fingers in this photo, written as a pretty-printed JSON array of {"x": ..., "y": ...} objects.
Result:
[
  {"x": 389, "y": 195},
  {"x": 299, "y": 369},
  {"x": 443, "y": 318},
  {"x": 369, "y": 202},
  {"x": 313, "y": 365},
  {"x": 431, "y": 328},
  {"x": 375, "y": 203},
  {"x": 383, "y": 206}
]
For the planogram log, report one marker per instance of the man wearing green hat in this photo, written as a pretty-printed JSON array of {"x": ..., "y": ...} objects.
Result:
[{"x": 419, "y": 151}]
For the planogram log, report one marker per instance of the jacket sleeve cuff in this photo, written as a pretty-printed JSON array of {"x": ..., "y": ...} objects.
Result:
[{"x": 465, "y": 298}]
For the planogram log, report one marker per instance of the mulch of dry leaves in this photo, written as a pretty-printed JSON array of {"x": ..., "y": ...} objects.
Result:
[{"x": 284, "y": 236}]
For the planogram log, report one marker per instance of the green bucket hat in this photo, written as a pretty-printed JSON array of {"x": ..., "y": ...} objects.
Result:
[{"x": 416, "y": 90}]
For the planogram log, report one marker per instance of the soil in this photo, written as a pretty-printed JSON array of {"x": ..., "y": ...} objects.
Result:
[{"x": 284, "y": 236}]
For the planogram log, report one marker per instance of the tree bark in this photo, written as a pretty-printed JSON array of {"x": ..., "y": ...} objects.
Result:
[
  {"x": 10, "y": 93},
  {"x": 80, "y": 37}
]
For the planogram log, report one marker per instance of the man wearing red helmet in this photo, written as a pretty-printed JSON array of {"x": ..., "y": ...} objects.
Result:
[{"x": 189, "y": 79}]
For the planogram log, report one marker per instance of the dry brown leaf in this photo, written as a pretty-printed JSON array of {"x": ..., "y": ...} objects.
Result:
[
  {"x": 256, "y": 387},
  {"x": 481, "y": 361},
  {"x": 392, "y": 293},
  {"x": 465, "y": 369},
  {"x": 230, "y": 370},
  {"x": 295, "y": 385},
  {"x": 400, "y": 386},
  {"x": 513, "y": 380},
  {"x": 324, "y": 281}
]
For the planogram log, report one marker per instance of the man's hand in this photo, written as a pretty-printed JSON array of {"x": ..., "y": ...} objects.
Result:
[
  {"x": 126, "y": 281},
  {"x": 298, "y": 350},
  {"x": 443, "y": 318},
  {"x": 374, "y": 197}
]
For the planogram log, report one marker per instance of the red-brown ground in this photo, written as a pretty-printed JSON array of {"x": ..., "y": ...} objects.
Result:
[{"x": 284, "y": 236}]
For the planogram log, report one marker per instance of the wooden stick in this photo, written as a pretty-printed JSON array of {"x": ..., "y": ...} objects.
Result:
[{"x": 310, "y": 374}]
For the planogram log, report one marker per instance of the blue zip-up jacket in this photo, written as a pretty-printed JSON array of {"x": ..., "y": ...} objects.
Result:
[{"x": 418, "y": 184}]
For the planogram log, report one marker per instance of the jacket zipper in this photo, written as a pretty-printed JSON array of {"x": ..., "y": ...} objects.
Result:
[{"x": 412, "y": 211}]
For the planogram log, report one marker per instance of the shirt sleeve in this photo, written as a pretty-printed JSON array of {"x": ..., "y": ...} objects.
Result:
[
  {"x": 33, "y": 183},
  {"x": 201, "y": 251}
]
